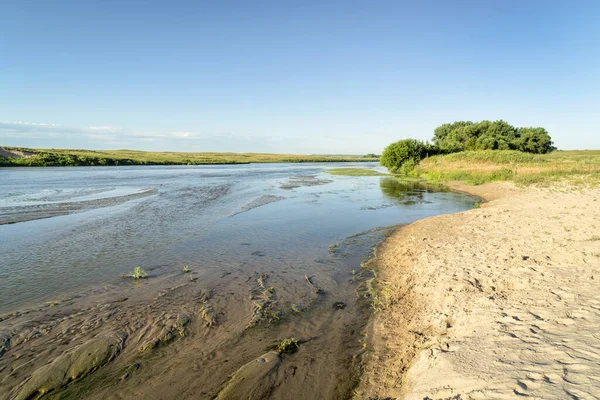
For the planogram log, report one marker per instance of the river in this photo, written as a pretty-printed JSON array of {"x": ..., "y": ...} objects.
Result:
[{"x": 68, "y": 235}]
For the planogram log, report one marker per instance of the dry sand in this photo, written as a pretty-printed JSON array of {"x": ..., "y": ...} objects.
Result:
[
  {"x": 493, "y": 303},
  {"x": 13, "y": 153}
]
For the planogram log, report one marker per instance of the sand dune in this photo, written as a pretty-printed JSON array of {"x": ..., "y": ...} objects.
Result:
[{"x": 494, "y": 303}]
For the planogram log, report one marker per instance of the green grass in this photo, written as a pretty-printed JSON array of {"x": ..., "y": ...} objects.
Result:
[
  {"x": 68, "y": 157},
  {"x": 355, "y": 172},
  {"x": 478, "y": 167},
  {"x": 186, "y": 269},
  {"x": 137, "y": 273}
]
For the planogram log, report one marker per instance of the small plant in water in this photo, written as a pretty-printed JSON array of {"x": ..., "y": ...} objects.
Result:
[
  {"x": 186, "y": 269},
  {"x": 138, "y": 273},
  {"x": 289, "y": 345}
]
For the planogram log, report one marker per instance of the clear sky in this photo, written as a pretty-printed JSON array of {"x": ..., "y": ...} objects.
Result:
[{"x": 292, "y": 76}]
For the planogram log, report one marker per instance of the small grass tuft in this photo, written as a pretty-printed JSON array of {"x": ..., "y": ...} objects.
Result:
[
  {"x": 138, "y": 273},
  {"x": 288, "y": 345},
  {"x": 186, "y": 269}
]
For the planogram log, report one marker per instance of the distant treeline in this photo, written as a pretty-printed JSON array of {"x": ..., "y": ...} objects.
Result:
[
  {"x": 404, "y": 155},
  {"x": 72, "y": 158}
]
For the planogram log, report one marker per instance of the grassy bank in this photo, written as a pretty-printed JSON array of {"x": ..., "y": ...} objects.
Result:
[
  {"x": 20, "y": 157},
  {"x": 478, "y": 167}
]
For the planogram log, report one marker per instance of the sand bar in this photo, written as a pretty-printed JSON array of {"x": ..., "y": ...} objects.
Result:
[{"x": 493, "y": 303}]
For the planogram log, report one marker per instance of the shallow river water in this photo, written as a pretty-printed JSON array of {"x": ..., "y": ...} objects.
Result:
[{"x": 67, "y": 235}]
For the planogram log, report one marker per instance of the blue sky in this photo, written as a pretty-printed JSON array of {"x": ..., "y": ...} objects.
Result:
[{"x": 294, "y": 77}]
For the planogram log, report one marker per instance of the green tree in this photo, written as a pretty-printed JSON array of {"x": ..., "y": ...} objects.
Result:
[
  {"x": 534, "y": 140},
  {"x": 488, "y": 135},
  {"x": 404, "y": 155},
  {"x": 445, "y": 136}
]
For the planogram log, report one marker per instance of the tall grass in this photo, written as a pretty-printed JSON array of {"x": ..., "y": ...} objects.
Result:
[{"x": 478, "y": 167}]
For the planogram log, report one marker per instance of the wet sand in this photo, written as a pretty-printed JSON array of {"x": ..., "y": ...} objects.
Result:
[
  {"x": 203, "y": 336},
  {"x": 499, "y": 302}
]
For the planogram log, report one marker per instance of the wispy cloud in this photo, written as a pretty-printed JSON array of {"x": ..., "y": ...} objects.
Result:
[
  {"x": 43, "y": 130},
  {"x": 108, "y": 136}
]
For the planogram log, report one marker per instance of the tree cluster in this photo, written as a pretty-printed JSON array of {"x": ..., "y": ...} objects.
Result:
[
  {"x": 404, "y": 155},
  {"x": 488, "y": 135}
]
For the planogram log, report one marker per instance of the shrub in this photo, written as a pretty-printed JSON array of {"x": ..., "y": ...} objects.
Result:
[{"x": 402, "y": 156}]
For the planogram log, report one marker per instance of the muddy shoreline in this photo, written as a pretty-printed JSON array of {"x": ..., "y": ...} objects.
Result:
[
  {"x": 495, "y": 302},
  {"x": 184, "y": 339}
]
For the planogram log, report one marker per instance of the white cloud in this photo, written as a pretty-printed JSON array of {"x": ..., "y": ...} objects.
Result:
[
  {"x": 104, "y": 128},
  {"x": 108, "y": 136},
  {"x": 21, "y": 129}
]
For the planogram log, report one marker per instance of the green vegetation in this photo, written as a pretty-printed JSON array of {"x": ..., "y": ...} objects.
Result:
[
  {"x": 186, "y": 269},
  {"x": 354, "y": 172},
  {"x": 289, "y": 345},
  {"x": 379, "y": 293},
  {"x": 64, "y": 157},
  {"x": 487, "y": 135},
  {"x": 138, "y": 273},
  {"x": 476, "y": 153},
  {"x": 478, "y": 167},
  {"x": 462, "y": 136},
  {"x": 404, "y": 155}
]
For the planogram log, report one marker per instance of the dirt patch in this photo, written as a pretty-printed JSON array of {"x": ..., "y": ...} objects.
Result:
[
  {"x": 495, "y": 302},
  {"x": 14, "y": 153},
  {"x": 71, "y": 366},
  {"x": 254, "y": 380}
]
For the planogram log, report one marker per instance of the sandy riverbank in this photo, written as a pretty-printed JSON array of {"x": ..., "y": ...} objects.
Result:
[{"x": 497, "y": 302}]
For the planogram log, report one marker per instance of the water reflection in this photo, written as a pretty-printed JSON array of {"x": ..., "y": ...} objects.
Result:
[{"x": 407, "y": 192}]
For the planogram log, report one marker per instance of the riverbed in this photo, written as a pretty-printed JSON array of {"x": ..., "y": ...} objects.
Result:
[{"x": 272, "y": 251}]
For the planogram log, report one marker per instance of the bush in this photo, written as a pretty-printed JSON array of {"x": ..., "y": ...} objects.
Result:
[{"x": 404, "y": 155}]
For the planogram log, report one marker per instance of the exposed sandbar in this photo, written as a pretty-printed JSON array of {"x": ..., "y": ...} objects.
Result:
[{"x": 496, "y": 302}]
